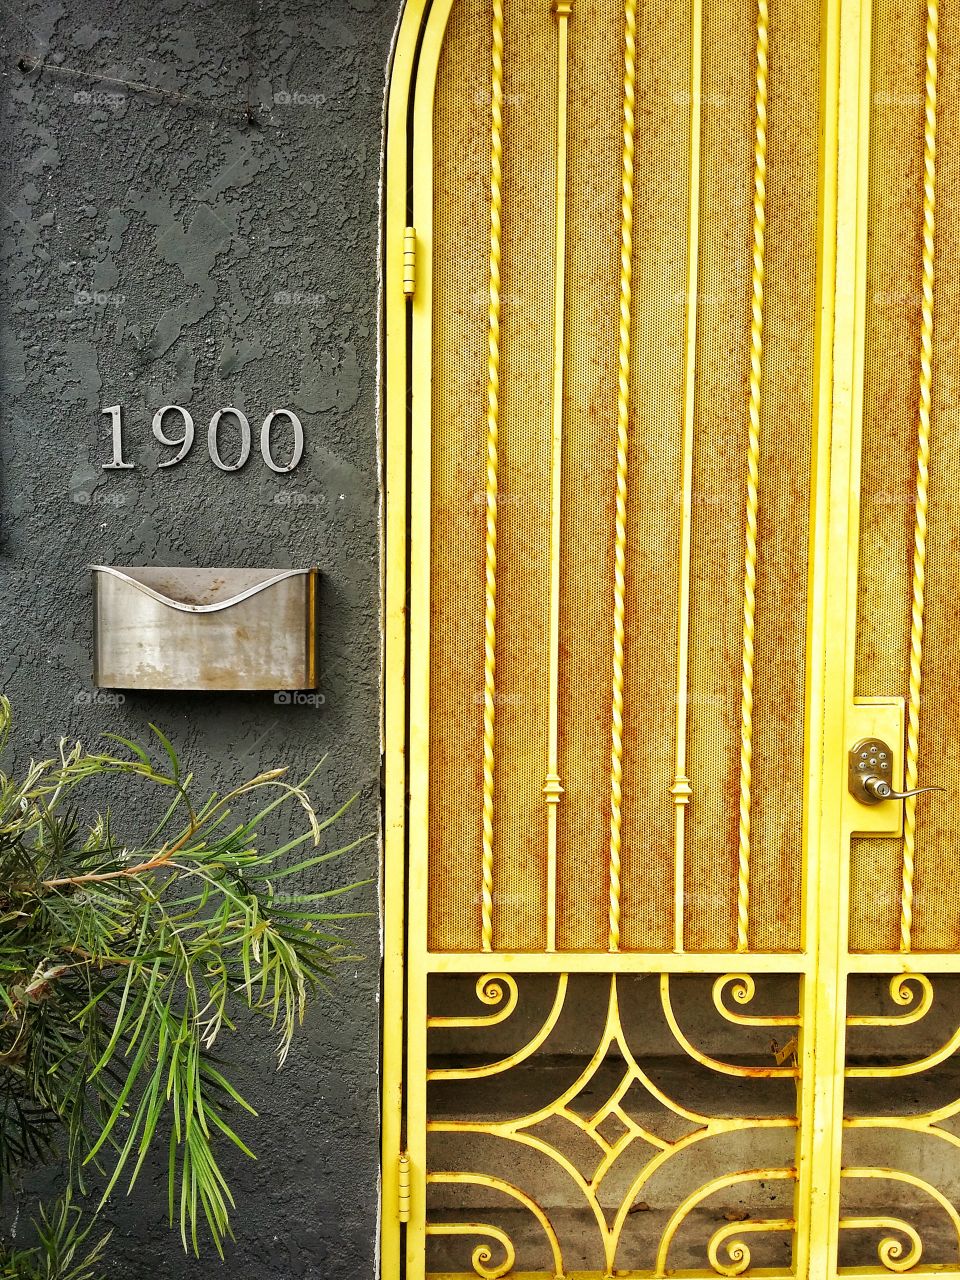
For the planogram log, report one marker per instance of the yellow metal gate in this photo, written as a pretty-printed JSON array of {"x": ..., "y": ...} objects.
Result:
[{"x": 673, "y": 537}]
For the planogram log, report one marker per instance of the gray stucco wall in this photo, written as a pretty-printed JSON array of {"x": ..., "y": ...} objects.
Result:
[{"x": 214, "y": 245}]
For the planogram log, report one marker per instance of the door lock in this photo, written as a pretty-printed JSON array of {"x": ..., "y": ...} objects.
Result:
[{"x": 870, "y": 773}]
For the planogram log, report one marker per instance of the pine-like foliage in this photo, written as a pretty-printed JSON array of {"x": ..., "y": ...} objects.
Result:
[
  {"x": 123, "y": 963},
  {"x": 64, "y": 1249}
]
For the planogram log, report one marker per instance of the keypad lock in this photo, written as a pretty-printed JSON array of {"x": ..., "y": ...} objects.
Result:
[{"x": 871, "y": 773}]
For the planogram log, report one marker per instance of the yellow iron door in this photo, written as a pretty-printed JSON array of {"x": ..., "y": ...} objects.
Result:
[{"x": 671, "y": 299}]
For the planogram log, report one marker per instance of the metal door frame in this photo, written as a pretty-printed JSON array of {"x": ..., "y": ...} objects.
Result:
[{"x": 829, "y": 817}]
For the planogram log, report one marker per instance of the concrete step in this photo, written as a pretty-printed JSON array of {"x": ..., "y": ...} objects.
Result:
[
  {"x": 535, "y": 1083},
  {"x": 540, "y": 1080},
  {"x": 581, "y": 1246},
  {"x": 581, "y": 1021}
]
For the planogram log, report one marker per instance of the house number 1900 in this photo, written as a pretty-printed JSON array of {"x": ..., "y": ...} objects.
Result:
[{"x": 180, "y": 437}]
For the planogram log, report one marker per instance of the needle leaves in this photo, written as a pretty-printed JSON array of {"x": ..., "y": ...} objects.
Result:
[{"x": 125, "y": 963}]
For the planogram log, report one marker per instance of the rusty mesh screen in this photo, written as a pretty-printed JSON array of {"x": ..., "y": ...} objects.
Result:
[
  {"x": 461, "y": 230},
  {"x": 888, "y": 480},
  {"x": 462, "y": 176},
  {"x": 587, "y": 516},
  {"x": 523, "y": 548},
  {"x": 719, "y": 475},
  {"x": 659, "y": 265}
]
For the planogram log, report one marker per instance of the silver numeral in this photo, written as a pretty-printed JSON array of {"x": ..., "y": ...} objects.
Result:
[
  {"x": 116, "y": 463},
  {"x": 184, "y": 442},
  {"x": 266, "y": 442},
  {"x": 213, "y": 439}
]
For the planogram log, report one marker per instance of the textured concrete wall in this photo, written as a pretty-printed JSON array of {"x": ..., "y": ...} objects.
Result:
[{"x": 213, "y": 245}]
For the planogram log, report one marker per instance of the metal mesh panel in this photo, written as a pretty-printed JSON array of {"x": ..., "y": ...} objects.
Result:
[
  {"x": 653, "y": 530},
  {"x": 888, "y": 459},
  {"x": 460, "y": 317},
  {"x": 586, "y": 582},
  {"x": 937, "y": 926},
  {"x": 889, "y": 470},
  {"x": 461, "y": 223},
  {"x": 523, "y": 529},
  {"x": 462, "y": 168},
  {"x": 589, "y": 474},
  {"x": 787, "y": 429},
  {"x": 719, "y": 475}
]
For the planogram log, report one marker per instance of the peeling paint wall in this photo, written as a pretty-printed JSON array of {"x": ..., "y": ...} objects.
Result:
[{"x": 213, "y": 244}]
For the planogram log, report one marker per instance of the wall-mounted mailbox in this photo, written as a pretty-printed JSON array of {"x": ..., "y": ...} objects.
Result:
[{"x": 205, "y": 628}]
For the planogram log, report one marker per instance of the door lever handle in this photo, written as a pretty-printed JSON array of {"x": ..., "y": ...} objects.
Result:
[
  {"x": 870, "y": 772},
  {"x": 878, "y": 789}
]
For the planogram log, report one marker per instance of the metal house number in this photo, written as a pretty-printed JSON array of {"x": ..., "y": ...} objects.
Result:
[{"x": 181, "y": 438}]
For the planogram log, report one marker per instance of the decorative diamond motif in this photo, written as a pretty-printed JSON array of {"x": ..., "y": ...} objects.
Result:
[{"x": 618, "y": 1138}]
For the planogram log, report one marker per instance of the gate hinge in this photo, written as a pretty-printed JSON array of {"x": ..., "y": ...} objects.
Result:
[
  {"x": 403, "y": 1187},
  {"x": 409, "y": 262}
]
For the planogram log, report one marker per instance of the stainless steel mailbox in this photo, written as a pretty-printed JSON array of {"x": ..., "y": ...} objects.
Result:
[{"x": 205, "y": 628}]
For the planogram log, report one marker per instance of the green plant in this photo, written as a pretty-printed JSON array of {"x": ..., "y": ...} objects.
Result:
[
  {"x": 63, "y": 1250},
  {"x": 123, "y": 963}
]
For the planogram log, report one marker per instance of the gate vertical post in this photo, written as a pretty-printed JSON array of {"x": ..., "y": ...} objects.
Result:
[
  {"x": 394, "y": 447},
  {"x": 832, "y": 628}
]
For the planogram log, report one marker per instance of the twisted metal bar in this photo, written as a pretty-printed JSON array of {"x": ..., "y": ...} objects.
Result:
[
  {"x": 753, "y": 476},
  {"x": 623, "y": 423},
  {"x": 493, "y": 422},
  {"x": 923, "y": 473}
]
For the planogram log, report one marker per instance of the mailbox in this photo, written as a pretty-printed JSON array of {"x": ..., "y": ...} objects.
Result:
[{"x": 207, "y": 629}]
